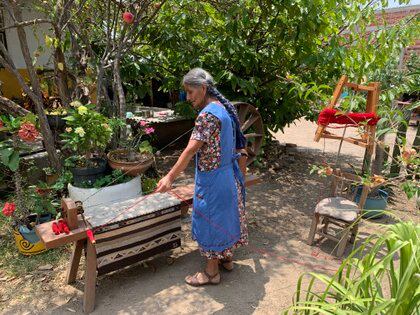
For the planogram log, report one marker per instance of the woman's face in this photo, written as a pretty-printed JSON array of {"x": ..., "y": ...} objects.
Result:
[{"x": 196, "y": 95}]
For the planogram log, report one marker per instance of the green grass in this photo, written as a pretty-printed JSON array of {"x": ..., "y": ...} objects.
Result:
[{"x": 13, "y": 263}]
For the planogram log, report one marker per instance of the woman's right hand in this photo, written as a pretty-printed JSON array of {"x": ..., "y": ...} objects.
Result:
[{"x": 164, "y": 184}]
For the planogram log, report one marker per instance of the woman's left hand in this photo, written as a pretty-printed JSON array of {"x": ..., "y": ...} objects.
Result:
[{"x": 164, "y": 184}]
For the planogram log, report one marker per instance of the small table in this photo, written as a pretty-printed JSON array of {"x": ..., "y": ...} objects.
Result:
[{"x": 162, "y": 212}]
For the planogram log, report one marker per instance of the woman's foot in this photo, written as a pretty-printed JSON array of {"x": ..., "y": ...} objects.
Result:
[
  {"x": 203, "y": 278},
  {"x": 227, "y": 264}
]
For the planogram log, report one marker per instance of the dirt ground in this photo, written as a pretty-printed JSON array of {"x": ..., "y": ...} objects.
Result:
[{"x": 266, "y": 272}]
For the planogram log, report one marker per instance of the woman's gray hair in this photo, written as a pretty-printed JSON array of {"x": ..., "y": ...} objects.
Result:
[{"x": 198, "y": 77}]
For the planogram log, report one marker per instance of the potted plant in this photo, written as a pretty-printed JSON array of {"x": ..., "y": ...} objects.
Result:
[
  {"x": 87, "y": 134},
  {"x": 22, "y": 210},
  {"x": 109, "y": 188},
  {"x": 55, "y": 116},
  {"x": 136, "y": 155},
  {"x": 375, "y": 204}
]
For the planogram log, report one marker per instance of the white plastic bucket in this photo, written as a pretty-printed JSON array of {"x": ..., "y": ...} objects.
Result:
[{"x": 96, "y": 196}]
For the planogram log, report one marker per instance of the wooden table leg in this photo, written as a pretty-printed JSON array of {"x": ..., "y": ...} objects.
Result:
[
  {"x": 74, "y": 261},
  {"x": 90, "y": 278}
]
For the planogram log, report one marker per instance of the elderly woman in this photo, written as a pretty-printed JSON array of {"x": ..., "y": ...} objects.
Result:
[{"x": 217, "y": 142}]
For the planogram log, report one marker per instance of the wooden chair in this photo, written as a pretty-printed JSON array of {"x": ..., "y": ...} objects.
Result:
[{"x": 340, "y": 210}]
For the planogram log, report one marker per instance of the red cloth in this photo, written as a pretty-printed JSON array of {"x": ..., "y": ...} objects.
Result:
[{"x": 329, "y": 116}]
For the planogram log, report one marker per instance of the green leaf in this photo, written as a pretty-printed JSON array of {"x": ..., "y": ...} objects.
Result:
[
  {"x": 5, "y": 155},
  {"x": 14, "y": 161}
]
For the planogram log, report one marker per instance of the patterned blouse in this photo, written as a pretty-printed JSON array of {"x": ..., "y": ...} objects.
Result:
[{"x": 207, "y": 129}]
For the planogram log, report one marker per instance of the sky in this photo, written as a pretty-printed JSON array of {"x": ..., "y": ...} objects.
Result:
[{"x": 394, "y": 3}]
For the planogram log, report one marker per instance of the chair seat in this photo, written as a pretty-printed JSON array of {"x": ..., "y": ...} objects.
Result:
[{"x": 338, "y": 208}]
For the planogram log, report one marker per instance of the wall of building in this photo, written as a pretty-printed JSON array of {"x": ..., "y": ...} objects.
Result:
[{"x": 10, "y": 87}]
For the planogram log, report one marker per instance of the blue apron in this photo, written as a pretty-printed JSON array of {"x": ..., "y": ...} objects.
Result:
[{"x": 215, "y": 218}]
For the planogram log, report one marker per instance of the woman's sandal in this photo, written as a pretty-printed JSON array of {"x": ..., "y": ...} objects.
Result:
[
  {"x": 227, "y": 264},
  {"x": 196, "y": 283}
]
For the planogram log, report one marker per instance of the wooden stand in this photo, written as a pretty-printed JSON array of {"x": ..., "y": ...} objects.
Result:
[{"x": 367, "y": 140}]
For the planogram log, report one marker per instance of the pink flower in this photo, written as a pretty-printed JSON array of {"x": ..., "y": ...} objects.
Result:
[
  {"x": 8, "y": 209},
  {"x": 150, "y": 130},
  {"x": 28, "y": 132},
  {"x": 143, "y": 123}
]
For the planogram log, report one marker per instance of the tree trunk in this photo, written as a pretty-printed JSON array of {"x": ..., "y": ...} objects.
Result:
[
  {"x": 60, "y": 70},
  {"x": 378, "y": 163},
  {"x": 10, "y": 107},
  {"x": 20, "y": 198},
  {"x": 416, "y": 142},
  {"x": 118, "y": 89},
  {"x": 401, "y": 134},
  {"x": 39, "y": 106}
]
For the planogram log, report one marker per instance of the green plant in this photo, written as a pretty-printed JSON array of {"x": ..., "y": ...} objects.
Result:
[
  {"x": 381, "y": 276},
  {"x": 148, "y": 184},
  {"x": 48, "y": 170},
  {"x": 87, "y": 130},
  {"x": 185, "y": 110},
  {"x": 116, "y": 177},
  {"x": 43, "y": 199},
  {"x": 21, "y": 130},
  {"x": 135, "y": 144},
  {"x": 258, "y": 51}
]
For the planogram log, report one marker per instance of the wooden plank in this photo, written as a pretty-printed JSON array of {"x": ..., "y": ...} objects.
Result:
[
  {"x": 337, "y": 91},
  {"x": 359, "y": 87},
  {"x": 50, "y": 240},
  {"x": 355, "y": 141}
]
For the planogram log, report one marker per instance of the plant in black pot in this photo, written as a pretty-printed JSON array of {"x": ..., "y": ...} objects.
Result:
[
  {"x": 55, "y": 117},
  {"x": 87, "y": 133},
  {"x": 135, "y": 155}
]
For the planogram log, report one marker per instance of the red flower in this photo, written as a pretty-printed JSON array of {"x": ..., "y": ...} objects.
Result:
[
  {"x": 1, "y": 124},
  {"x": 128, "y": 17},
  {"x": 8, "y": 209},
  {"x": 28, "y": 132}
]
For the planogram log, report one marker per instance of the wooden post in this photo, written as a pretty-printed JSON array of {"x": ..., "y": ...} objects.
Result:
[
  {"x": 334, "y": 99},
  {"x": 69, "y": 209},
  {"x": 90, "y": 278},
  {"x": 74, "y": 261},
  {"x": 371, "y": 105}
]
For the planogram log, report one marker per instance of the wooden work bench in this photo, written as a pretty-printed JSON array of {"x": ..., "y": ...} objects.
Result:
[{"x": 79, "y": 237}]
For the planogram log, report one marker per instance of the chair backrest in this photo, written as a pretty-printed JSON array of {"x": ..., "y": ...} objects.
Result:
[{"x": 347, "y": 185}]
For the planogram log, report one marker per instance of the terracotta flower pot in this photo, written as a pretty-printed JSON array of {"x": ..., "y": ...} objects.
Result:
[{"x": 118, "y": 160}]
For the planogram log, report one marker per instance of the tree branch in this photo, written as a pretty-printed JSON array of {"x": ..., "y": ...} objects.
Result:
[
  {"x": 8, "y": 106},
  {"x": 26, "y": 23}
]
